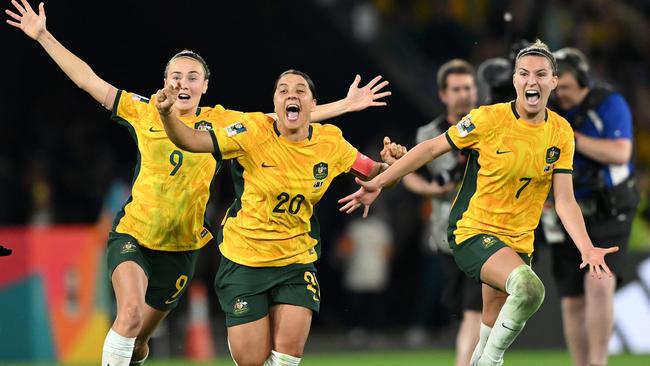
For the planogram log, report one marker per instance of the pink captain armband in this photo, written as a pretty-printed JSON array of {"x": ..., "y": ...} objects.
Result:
[{"x": 362, "y": 165}]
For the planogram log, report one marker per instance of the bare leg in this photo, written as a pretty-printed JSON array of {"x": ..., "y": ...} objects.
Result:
[
  {"x": 599, "y": 316},
  {"x": 575, "y": 330},
  {"x": 130, "y": 285},
  {"x": 151, "y": 320},
  {"x": 468, "y": 334},
  {"x": 250, "y": 343},
  {"x": 506, "y": 271},
  {"x": 290, "y": 326}
]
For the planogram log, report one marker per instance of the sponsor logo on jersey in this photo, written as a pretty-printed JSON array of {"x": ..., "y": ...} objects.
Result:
[
  {"x": 240, "y": 307},
  {"x": 552, "y": 154},
  {"x": 203, "y": 126},
  {"x": 235, "y": 129},
  {"x": 318, "y": 184},
  {"x": 320, "y": 171},
  {"x": 128, "y": 247},
  {"x": 465, "y": 126},
  {"x": 549, "y": 168}
]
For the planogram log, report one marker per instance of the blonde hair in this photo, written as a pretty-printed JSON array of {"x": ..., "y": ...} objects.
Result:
[{"x": 538, "y": 48}]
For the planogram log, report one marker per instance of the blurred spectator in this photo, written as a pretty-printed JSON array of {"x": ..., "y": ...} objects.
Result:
[{"x": 366, "y": 248}]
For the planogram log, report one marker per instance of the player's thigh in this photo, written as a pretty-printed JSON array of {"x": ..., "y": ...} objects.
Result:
[
  {"x": 170, "y": 276},
  {"x": 487, "y": 258},
  {"x": 127, "y": 269},
  {"x": 250, "y": 343},
  {"x": 243, "y": 291},
  {"x": 290, "y": 326}
]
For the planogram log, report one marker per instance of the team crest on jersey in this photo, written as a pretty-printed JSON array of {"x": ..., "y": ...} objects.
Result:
[
  {"x": 140, "y": 98},
  {"x": 488, "y": 241},
  {"x": 240, "y": 307},
  {"x": 320, "y": 171},
  {"x": 235, "y": 129},
  {"x": 203, "y": 126},
  {"x": 552, "y": 154},
  {"x": 465, "y": 126},
  {"x": 128, "y": 247}
]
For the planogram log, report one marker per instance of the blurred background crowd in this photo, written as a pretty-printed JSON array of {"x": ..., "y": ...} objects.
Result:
[{"x": 62, "y": 161}]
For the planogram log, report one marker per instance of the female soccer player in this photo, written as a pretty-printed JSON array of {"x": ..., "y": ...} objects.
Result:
[
  {"x": 269, "y": 240},
  {"x": 154, "y": 243},
  {"x": 517, "y": 151}
]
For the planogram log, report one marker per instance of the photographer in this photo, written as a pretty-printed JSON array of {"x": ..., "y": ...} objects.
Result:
[{"x": 605, "y": 189}]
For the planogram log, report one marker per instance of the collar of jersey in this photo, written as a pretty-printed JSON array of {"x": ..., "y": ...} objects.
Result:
[
  {"x": 514, "y": 111},
  {"x": 277, "y": 131}
]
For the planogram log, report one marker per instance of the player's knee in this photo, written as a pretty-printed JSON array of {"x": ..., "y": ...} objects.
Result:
[
  {"x": 290, "y": 349},
  {"x": 130, "y": 317},
  {"x": 526, "y": 288}
]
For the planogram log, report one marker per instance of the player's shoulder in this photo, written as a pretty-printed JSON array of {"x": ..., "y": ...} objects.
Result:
[
  {"x": 491, "y": 110},
  {"x": 326, "y": 130},
  {"x": 558, "y": 121}
]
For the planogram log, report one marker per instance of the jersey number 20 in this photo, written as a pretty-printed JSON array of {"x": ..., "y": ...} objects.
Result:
[{"x": 293, "y": 206}]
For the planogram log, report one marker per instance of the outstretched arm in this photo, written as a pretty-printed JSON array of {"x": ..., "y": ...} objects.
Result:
[
  {"x": 358, "y": 99},
  {"x": 569, "y": 213},
  {"x": 33, "y": 25},
  {"x": 418, "y": 156},
  {"x": 180, "y": 134}
]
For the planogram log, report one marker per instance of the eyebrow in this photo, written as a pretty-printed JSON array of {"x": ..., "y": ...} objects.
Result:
[
  {"x": 285, "y": 84},
  {"x": 538, "y": 70},
  {"x": 191, "y": 72}
]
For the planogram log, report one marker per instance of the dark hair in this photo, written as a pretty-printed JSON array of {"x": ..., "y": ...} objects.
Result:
[
  {"x": 310, "y": 83},
  {"x": 455, "y": 66},
  {"x": 193, "y": 55},
  {"x": 572, "y": 60},
  {"x": 538, "y": 48}
]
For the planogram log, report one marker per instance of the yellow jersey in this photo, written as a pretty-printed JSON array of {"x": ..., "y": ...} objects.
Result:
[
  {"x": 277, "y": 182},
  {"x": 508, "y": 174},
  {"x": 171, "y": 187}
]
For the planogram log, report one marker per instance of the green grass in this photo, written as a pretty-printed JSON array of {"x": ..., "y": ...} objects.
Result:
[{"x": 407, "y": 358}]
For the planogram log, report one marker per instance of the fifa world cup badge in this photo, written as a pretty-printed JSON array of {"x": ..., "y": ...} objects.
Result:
[{"x": 465, "y": 126}]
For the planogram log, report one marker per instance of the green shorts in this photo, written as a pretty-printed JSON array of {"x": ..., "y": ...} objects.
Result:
[
  {"x": 471, "y": 254},
  {"x": 169, "y": 273},
  {"x": 246, "y": 293}
]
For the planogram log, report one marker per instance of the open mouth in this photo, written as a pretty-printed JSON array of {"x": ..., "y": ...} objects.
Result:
[
  {"x": 292, "y": 112},
  {"x": 183, "y": 96},
  {"x": 532, "y": 96}
]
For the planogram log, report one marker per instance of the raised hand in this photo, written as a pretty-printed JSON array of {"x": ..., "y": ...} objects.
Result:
[
  {"x": 27, "y": 20},
  {"x": 365, "y": 196},
  {"x": 367, "y": 96},
  {"x": 166, "y": 97},
  {"x": 391, "y": 151},
  {"x": 595, "y": 259}
]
